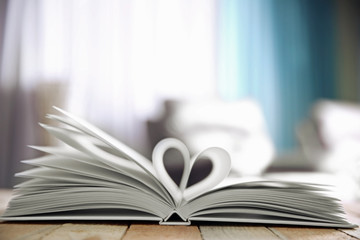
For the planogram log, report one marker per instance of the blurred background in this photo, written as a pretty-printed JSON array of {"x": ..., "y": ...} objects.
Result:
[{"x": 276, "y": 83}]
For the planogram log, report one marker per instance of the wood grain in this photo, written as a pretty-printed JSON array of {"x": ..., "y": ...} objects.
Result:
[
  {"x": 28, "y": 231},
  {"x": 71, "y": 231},
  {"x": 236, "y": 232},
  {"x": 154, "y": 231},
  {"x": 310, "y": 233},
  {"x": 352, "y": 232}
]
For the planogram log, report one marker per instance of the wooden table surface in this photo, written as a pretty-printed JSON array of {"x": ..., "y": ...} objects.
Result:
[{"x": 112, "y": 231}]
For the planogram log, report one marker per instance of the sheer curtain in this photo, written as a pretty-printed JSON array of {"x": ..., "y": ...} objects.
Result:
[{"x": 111, "y": 62}]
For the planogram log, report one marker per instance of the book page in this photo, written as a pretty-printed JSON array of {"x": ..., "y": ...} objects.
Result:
[{"x": 267, "y": 200}]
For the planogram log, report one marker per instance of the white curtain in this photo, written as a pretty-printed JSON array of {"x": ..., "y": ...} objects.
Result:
[{"x": 116, "y": 59}]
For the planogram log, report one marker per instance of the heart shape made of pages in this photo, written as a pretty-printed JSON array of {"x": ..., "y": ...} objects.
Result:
[{"x": 219, "y": 158}]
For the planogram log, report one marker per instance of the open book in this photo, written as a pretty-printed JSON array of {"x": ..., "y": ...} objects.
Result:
[{"x": 95, "y": 177}]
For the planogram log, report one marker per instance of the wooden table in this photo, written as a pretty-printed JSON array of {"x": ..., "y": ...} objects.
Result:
[{"x": 112, "y": 231}]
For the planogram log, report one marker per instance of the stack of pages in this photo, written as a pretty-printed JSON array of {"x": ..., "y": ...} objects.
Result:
[{"x": 92, "y": 176}]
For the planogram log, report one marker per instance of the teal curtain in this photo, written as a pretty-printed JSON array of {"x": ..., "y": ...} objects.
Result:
[{"x": 280, "y": 53}]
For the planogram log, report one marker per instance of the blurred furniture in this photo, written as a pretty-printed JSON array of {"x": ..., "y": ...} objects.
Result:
[
  {"x": 128, "y": 230},
  {"x": 21, "y": 111},
  {"x": 330, "y": 140},
  {"x": 237, "y": 126}
]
